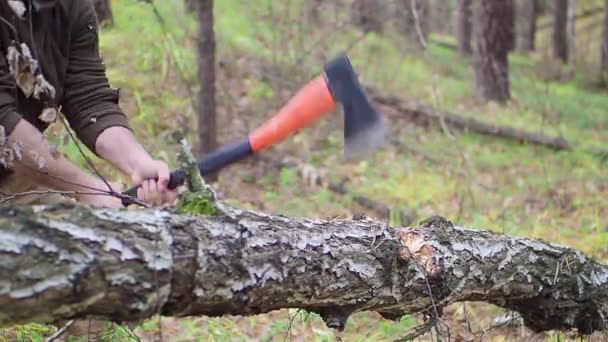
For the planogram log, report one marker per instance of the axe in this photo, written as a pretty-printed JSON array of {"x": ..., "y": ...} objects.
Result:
[{"x": 364, "y": 130}]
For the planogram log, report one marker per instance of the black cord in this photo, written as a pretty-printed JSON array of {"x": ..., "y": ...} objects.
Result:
[{"x": 10, "y": 25}]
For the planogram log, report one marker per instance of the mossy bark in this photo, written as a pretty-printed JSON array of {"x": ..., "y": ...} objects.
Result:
[{"x": 68, "y": 262}]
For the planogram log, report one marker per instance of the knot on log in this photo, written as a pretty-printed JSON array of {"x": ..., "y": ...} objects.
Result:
[{"x": 418, "y": 249}]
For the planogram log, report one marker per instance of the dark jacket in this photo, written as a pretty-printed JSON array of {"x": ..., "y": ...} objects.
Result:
[{"x": 66, "y": 46}]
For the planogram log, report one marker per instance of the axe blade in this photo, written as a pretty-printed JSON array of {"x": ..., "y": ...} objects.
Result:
[{"x": 364, "y": 130}]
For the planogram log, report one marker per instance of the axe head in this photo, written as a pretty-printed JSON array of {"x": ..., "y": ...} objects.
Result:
[{"x": 364, "y": 130}]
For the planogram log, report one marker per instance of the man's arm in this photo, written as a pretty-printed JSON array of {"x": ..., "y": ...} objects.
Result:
[
  {"x": 92, "y": 109},
  {"x": 54, "y": 171}
]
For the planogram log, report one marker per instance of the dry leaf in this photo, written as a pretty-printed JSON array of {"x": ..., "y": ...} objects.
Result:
[
  {"x": 22, "y": 66},
  {"x": 42, "y": 86},
  {"x": 54, "y": 151},
  {"x": 18, "y": 7},
  {"x": 17, "y": 150},
  {"x": 2, "y": 136},
  {"x": 41, "y": 162},
  {"x": 48, "y": 115}
]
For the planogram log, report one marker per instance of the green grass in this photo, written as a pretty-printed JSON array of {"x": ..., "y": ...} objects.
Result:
[{"x": 474, "y": 180}]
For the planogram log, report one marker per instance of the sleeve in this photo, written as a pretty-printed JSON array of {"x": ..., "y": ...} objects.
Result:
[
  {"x": 89, "y": 103},
  {"x": 9, "y": 118}
]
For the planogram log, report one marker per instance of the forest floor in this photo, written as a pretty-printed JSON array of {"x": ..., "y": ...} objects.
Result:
[{"x": 265, "y": 53}]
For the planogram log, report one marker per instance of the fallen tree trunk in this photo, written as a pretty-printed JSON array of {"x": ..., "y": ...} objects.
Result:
[
  {"x": 66, "y": 262},
  {"x": 423, "y": 112}
]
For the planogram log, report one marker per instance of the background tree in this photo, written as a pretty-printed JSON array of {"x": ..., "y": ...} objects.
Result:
[
  {"x": 441, "y": 13},
  {"x": 571, "y": 30},
  {"x": 464, "y": 26},
  {"x": 527, "y": 15},
  {"x": 368, "y": 15},
  {"x": 207, "y": 121},
  {"x": 560, "y": 31},
  {"x": 604, "y": 53},
  {"x": 493, "y": 23}
]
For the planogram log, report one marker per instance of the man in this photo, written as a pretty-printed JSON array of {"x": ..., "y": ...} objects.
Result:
[{"x": 64, "y": 42}]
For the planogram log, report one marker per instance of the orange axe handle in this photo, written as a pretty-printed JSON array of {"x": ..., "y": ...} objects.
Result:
[
  {"x": 309, "y": 104},
  {"x": 306, "y": 106}
]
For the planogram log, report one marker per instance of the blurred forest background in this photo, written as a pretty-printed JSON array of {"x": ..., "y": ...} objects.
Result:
[{"x": 498, "y": 116}]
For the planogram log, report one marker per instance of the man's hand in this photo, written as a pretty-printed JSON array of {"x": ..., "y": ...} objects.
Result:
[
  {"x": 118, "y": 146},
  {"x": 153, "y": 178}
]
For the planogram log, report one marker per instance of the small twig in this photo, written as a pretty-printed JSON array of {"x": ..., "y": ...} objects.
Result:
[
  {"x": 10, "y": 197},
  {"x": 101, "y": 191},
  {"x": 290, "y": 324},
  {"x": 60, "y": 332},
  {"x": 417, "y": 24},
  {"x": 132, "y": 334}
]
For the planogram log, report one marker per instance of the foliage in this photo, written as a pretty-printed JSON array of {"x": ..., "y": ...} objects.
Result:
[{"x": 196, "y": 203}]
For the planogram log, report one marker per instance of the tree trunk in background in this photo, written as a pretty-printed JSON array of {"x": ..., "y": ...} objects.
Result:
[
  {"x": 313, "y": 10},
  {"x": 68, "y": 262},
  {"x": 207, "y": 122},
  {"x": 571, "y": 31},
  {"x": 441, "y": 13},
  {"x": 464, "y": 25},
  {"x": 493, "y": 24},
  {"x": 560, "y": 32},
  {"x": 527, "y": 15},
  {"x": 103, "y": 9},
  {"x": 368, "y": 15},
  {"x": 604, "y": 45},
  {"x": 191, "y": 5}
]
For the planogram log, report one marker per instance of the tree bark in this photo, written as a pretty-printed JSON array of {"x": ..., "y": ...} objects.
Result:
[
  {"x": 560, "y": 32},
  {"x": 493, "y": 28},
  {"x": 464, "y": 25},
  {"x": 527, "y": 15},
  {"x": 368, "y": 15},
  {"x": 207, "y": 120},
  {"x": 68, "y": 262},
  {"x": 571, "y": 29},
  {"x": 103, "y": 9},
  {"x": 604, "y": 45}
]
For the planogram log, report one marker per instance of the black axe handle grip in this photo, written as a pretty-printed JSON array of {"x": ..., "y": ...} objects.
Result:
[{"x": 208, "y": 165}]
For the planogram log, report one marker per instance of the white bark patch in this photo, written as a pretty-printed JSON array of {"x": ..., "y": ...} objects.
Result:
[
  {"x": 14, "y": 242},
  {"x": 160, "y": 257},
  {"x": 54, "y": 282},
  {"x": 126, "y": 253}
]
